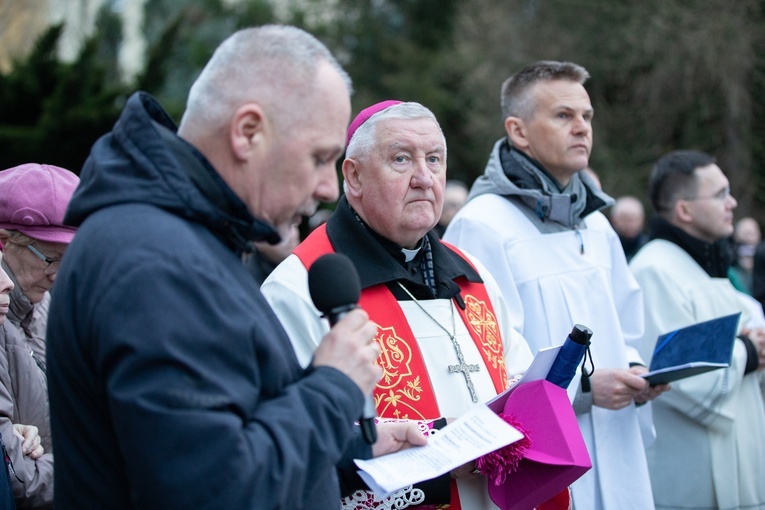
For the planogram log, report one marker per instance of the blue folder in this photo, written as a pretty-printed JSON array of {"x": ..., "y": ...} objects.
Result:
[{"x": 693, "y": 350}]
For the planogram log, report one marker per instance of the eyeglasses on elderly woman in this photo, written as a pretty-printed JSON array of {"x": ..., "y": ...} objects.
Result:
[{"x": 52, "y": 264}]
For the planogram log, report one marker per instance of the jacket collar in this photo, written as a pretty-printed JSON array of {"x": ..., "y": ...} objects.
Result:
[
  {"x": 511, "y": 173},
  {"x": 143, "y": 161},
  {"x": 233, "y": 223},
  {"x": 714, "y": 258}
]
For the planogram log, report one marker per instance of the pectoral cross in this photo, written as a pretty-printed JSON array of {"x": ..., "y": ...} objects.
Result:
[
  {"x": 466, "y": 369},
  {"x": 462, "y": 367}
]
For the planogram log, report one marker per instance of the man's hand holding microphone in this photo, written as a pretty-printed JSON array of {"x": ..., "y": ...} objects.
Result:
[{"x": 350, "y": 347}]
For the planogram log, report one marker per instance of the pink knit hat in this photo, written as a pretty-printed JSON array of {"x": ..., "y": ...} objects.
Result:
[
  {"x": 364, "y": 115},
  {"x": 33, "y": 200}
]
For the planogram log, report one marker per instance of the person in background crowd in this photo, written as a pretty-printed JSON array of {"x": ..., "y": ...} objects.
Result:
[
  {"x": 35, "y": 238},
  {"x": 628, "y": 219},
  {"x": 711, "y": 427},
  {"x": 318, "y": 218},
  {"x": 746, "y": 237},
  {"x": 173, "y": 385},
  {"x": 436, "y": 307},
  {"x": 27, "y": 434},
  {"x": 455, "y": 196},
  {"x": 266, "y": 256},
  {"x": 533, "y": 220}
]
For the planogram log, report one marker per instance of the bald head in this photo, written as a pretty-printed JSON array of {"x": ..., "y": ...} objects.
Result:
[
  {"x": 272, "y": 65},
  {"x": 747, "y": 231},
  {"x": 455, "y": 197},
  {"x": 628, "y": 216}
]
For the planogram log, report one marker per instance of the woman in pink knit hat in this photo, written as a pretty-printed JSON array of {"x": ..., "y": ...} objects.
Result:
[{"x": 33, "y": 200}]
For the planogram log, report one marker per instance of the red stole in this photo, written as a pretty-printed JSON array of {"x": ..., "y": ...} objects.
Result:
[{"x": 405, "y": 390}]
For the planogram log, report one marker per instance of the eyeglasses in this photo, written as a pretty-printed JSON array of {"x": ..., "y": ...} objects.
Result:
[
  {"x": 53, "y": 264},
  {"x": 721, "y": 195}
]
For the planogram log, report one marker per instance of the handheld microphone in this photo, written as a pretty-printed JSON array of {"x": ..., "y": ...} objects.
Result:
[
  {"x": 334, "y": 285},
  {"x": 570, "y": 355}
]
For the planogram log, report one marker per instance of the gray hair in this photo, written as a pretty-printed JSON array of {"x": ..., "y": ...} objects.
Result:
[
  {"x": 365, "y": 137},
  {"x": 515, "y": 97},
  {"x": 16, "y": 237},
  {"x": 259, "y": 64}
]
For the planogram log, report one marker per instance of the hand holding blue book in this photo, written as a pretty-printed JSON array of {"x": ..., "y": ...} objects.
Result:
[{"x": 693, "y": 350}]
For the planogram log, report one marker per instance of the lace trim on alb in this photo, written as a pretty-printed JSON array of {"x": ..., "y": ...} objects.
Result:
[{"x": 402, "y": 498}]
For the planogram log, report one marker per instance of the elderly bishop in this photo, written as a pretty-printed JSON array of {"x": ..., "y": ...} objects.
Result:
[{"x": 443, "y": 330}]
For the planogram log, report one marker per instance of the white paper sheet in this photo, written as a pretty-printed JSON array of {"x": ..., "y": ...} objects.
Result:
[
  {"x": 474, "y": 434},
  {"x": 538, "y": 369}
]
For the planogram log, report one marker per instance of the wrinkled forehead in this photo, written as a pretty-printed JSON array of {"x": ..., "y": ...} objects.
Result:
[{"x": 420, "y": 133}]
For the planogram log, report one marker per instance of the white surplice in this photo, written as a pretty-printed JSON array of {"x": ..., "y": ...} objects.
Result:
[{"x": 551, "y": 282}]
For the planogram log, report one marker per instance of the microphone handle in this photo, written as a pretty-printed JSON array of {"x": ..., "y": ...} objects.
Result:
[{"x": 367, "y": 420}]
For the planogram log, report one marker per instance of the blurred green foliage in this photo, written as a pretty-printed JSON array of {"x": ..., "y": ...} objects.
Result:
[{"x": 665, "y": 74}]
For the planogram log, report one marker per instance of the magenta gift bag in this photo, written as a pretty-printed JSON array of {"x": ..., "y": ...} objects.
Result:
[{"x": 557, "y": 455}]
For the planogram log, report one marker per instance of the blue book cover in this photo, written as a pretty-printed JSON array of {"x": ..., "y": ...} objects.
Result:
[{"x": 693, "y": 350}]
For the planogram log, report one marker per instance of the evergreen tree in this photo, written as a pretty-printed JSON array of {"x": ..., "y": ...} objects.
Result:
[
  {"x": 666, "y": 75},
  {"x": 403, "y": 49},
  {"x": 52, "y": 112}
]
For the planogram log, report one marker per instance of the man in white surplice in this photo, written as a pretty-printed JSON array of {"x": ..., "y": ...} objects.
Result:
[
  {"x": 710, "y": 427},
  {"x": 533, "y": 219},
  {"x": 437, "y": 308}
]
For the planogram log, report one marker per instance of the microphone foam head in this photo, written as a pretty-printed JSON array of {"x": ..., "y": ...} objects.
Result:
[{"x": 333, "y": 282}]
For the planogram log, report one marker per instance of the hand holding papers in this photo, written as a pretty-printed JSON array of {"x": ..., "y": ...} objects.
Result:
[
  {"x": 474, "y": 434},
  {"x": 693, "y": 350}
]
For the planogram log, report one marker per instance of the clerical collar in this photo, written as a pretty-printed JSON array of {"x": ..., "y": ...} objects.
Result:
[
  {"x": 714, "y": 258},
  {"x": 409, "y": 255},
  {"x": 418, "y": 261}
]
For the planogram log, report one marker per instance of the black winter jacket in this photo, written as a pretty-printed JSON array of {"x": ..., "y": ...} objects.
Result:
[{"x": 172, "y": 383}]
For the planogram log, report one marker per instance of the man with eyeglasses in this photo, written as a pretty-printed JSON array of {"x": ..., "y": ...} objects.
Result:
[
  {"x": 32, "y": 231},
  {"x": 710, "y": 446}
]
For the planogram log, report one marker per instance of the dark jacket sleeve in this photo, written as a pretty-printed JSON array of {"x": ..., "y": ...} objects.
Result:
[
  {"x": 209, "y": 405},
  {"x": 347, "y": 471}
]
